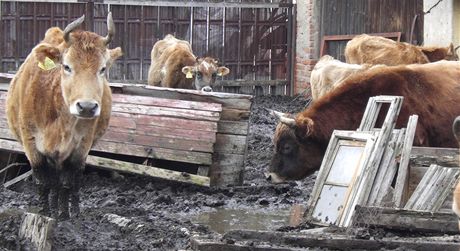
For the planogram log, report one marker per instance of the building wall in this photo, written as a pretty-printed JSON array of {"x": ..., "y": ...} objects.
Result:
[
  {"x": 306, "y": 44},
  {"x": 439, "y": 23}
]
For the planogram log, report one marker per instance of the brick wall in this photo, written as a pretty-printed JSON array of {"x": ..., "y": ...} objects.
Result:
[{"x": 307, "y": 42}]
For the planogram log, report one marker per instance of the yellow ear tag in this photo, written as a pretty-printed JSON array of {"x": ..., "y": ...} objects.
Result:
[
  {"x": 219, "y": 74},
  {"x": 189, "y": 75},
  {"x": 47, "y": 65}
]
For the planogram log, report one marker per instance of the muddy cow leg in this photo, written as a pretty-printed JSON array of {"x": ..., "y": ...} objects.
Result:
[
  {"x": 75, "y": 195},
  {"x": 42, "y": 180},
  {"x": 70, "y": 184}
]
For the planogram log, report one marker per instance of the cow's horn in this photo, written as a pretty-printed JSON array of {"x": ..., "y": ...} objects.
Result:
[
  {"x": 110, "y": 29},
  {"x": 72, "y": 26},
  {"x": 283, "y": 118}
]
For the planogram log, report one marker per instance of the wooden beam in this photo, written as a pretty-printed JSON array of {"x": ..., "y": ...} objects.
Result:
[
  {"x": 17, "y": 179},
  {"x": 425, "y": 156},
  {"x": 324, "y": 239},
  {"x": 38, "y": 231},
  {"x": 406, "y": 220},
  {"x": 121, "y": 166}
]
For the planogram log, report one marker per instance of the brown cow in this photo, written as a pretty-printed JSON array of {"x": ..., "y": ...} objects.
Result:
[
  {"x": 175, "y": 66},
  {"x": 456, "y": 195},
  {"x": 329, "y": 73},
  {"x": 432, "y": 91},
  {"x": 366, "y": 49},
  {"x": 59, "y": 109}
]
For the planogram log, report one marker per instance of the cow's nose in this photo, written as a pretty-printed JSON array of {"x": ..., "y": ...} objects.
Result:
[
  {"x": 206, "y": 89},
  {"x": 87, "y": 108}
]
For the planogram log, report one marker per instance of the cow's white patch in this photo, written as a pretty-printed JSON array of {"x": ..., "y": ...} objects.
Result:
[
  {"x": 163, "y": 71},
  {"x": 206, "y": 65},
  {"x": 275, "y": 178}
]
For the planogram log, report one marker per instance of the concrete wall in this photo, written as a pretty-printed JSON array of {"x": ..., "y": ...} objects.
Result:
[
  {"x": 441, "y": 24},
  {"x": 306, "y": 44}
]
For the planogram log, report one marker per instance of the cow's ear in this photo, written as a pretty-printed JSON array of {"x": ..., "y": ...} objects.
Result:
[
  {"x": 222, "y": 71},
  {"x": 115, "y": 54},
  {"x": 188, "y": 69},
  {"x": 44, "y": 50},
  {"x": 305, "y": 126}
]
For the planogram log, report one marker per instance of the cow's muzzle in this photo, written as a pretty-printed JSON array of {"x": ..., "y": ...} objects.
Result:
[
  {"x": 85, "y": 109},
  {"x": 206, "y": 89}
]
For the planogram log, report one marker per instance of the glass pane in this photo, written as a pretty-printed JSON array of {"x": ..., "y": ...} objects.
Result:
[
  {"x": 330, "y": 204},
  {"x": 345, "y": 164}
]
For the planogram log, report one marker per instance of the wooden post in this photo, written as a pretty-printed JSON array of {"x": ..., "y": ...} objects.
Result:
[{"x": 37, "y": 230}]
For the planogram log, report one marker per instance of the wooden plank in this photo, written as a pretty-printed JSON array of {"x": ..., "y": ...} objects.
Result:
[
  {"x": 186, "y": 134},
  {"x": 402, "y": 181},
  {"x": 233, "y": 127},
  {"x": 235, "y": 114},
  {"x": 163, "y": 102},
  {"x": 425, "y": 156},
  {"x": 249, "y": 83},
  {"x": 152, "y": 152},
  {"x": 334, "y": 241},
  {"x": 122, "y": 120},
  {"x": 121, "y": 166},
  {"x": 228, "y": 100},
  {"x": 17, "y": 179},
  {"x": 165, "y": 111},
  {"x": 37, "y": 230},
  {"x": 226, "y": 143},
  {"x": 419, "y": 190},
  {"x": 406, "y": 220},
  {"x": 6, "y": 75},
  {"x": 157, "y": 141},
  {"x": 227, "y": 169}
]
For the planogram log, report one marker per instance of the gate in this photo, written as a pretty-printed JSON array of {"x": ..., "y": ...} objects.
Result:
[{"x": 252, "y": 38}]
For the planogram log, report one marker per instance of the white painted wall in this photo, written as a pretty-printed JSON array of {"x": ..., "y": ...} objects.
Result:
[{"x": 441, "y": 24}]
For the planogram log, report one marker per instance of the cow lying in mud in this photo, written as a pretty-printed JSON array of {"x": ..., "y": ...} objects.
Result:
[
  {"x": 456, "y": 195},
  {"x": 432, "y": 91},
  {"x": 329, "y": 73},
  {"x": 366, "y": 49},
  {"x": 174, "y": 65},
  {"x": 58, "y": 105}
]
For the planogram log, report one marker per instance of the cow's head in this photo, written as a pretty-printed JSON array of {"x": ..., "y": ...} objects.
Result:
[
  {"x": 84, "y": 60},
  {"x": 296, "y": 154},
  {"x": 440, "y": 53},
  {"x": 205, "y": 71}
]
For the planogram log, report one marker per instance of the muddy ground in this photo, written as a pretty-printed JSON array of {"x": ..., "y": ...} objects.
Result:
[{"x": 140, "y": 213}]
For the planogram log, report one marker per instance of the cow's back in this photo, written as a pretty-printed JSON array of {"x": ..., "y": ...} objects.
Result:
[
  {"x": 162, "y": 50},
  {"x": 379, "y": 50},
  {"x": 432, "y": 91}
]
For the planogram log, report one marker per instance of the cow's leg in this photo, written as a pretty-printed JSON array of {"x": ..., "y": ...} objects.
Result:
[
  {"x": 75, "y": 195},
  {"x": 64, "y": 203},
  {"x": 40, "y": 171}
]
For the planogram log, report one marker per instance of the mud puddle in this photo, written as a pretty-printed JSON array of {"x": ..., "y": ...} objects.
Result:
[{"x": 223, "y": 220}]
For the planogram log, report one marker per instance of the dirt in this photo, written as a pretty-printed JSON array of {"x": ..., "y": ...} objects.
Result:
[{"x": 131, "y": 212}]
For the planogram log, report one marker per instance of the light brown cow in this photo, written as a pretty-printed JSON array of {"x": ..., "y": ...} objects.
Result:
[
  {"x": 329, "y": 73},
  {"x": 366, "y": 49},
  {"x": 174, "y": 65},
  {"x": 59, "y": 109},
  {"x": 456, "y": 202}
]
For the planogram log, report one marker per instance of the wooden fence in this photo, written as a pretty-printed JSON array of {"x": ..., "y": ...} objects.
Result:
[{"x": 252, "y": 38}]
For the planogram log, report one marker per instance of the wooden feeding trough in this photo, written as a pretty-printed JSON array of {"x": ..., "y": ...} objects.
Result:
[{"x": 183, "y": 135}]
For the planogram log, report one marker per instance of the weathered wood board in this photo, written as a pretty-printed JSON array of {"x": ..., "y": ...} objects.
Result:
[{"x": 37, "y": 231}]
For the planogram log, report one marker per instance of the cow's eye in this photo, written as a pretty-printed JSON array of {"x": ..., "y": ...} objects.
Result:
[
  {"x": 67, "y": 68},
  {"x": 102, "y": 70},
  {"x": 198, "y": 74},
  {"x": 214, "y": 74}
]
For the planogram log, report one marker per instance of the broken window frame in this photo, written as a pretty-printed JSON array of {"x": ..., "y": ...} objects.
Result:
[{"x": 340, "y": 138}]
